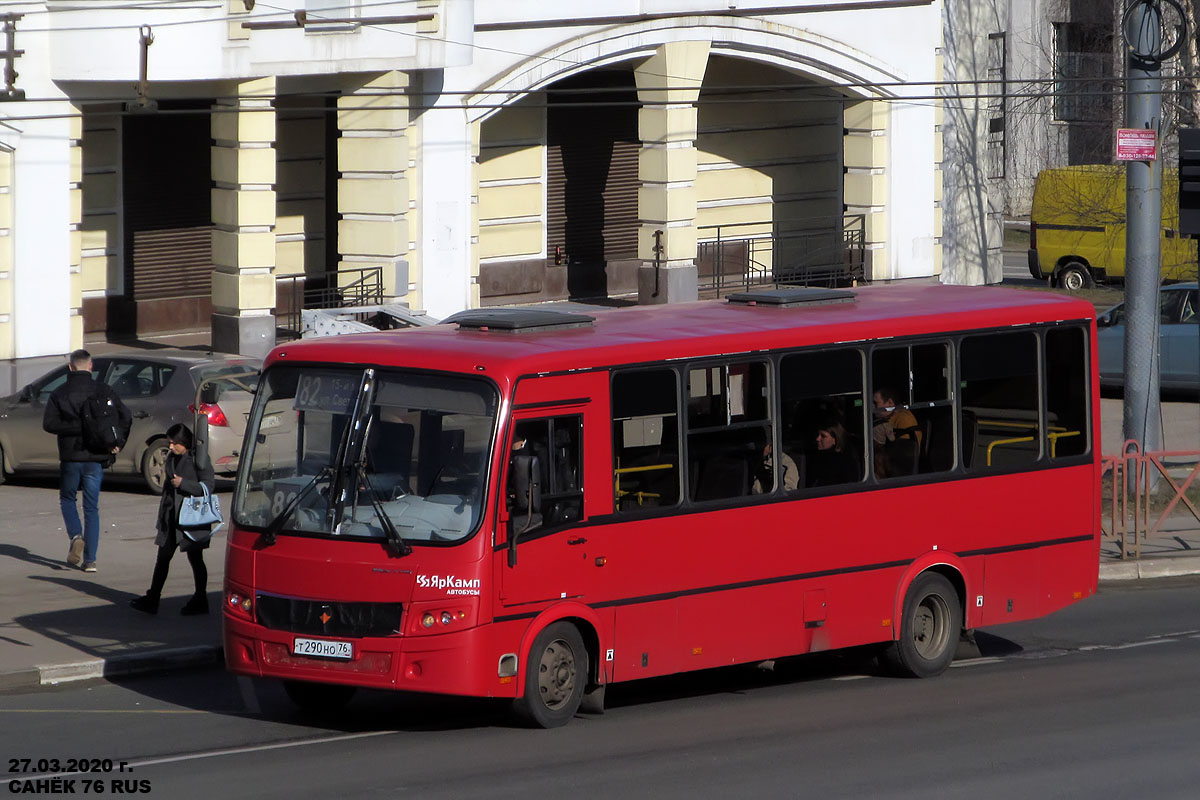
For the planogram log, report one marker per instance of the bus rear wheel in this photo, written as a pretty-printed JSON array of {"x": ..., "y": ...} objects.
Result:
[
  {"x": 318, "y": 698},
  {"x": 929, "y": 629},
  {"x": 555, "y": 674},
  {"x": 1074, "y": 276}
]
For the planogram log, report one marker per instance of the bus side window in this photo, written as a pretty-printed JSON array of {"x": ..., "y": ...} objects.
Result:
[
  {"x": 1067, "y": 391},
  {"x": 1000, "y": 400},
  {"x": 823, "y": 428},
  {"x": 645, "y": 407},
  {"x": 913, "y": 430},
  {"x": 544, "y": 477}
]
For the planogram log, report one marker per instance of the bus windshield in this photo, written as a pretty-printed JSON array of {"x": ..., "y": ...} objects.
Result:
[{"x": 422, "y": 461}]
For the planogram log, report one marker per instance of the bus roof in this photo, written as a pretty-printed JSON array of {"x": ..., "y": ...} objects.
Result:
[{"x": 643, "y": 334}]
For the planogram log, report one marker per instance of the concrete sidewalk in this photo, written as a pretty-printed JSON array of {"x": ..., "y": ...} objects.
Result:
[{"x": 60, "y": 624}]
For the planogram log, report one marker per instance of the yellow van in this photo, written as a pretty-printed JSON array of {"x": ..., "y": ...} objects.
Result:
[{"x": 1077, "y": 228}]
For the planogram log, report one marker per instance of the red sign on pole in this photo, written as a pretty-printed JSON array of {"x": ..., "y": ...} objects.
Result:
[{"x": 1136, "y": 144}]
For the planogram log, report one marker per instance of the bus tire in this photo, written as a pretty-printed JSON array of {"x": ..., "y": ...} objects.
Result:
[
  {"x": 929, "y": 629},
  {"x": 318, "y": 698},
  {"x": 555, "y": 674},
  {"x": 1073, "y": 276}
]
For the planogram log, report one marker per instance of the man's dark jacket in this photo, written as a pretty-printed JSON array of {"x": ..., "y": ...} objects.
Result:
[{"x": 62, "y": 417}]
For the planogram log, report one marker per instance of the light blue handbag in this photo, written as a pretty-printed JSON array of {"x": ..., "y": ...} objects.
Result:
[{"x": 200, "y": 512}]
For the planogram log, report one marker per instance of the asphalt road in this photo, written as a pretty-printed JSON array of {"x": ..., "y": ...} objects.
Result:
[{"x": 1099, "y": 700}]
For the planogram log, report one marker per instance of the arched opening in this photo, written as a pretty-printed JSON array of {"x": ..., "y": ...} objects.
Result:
[
  {"x": 769, "y": 177},
  {"x": 558, "y": 184}
]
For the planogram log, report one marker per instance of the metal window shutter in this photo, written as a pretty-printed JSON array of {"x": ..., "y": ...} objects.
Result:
[
  {"x": 592, "y": 184},
  {"x": 168, "y": 206}
]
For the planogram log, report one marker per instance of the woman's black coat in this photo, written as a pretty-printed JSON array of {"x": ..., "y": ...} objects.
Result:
[{"x": 172, "y": 498}]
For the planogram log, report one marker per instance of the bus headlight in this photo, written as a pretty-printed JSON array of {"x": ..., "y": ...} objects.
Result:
[
  {"x": 239, "y": 602},
  {"x": 440, "y": 619}
]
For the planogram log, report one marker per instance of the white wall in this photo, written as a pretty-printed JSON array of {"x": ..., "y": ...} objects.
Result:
[{"x": 41, "y": 220}]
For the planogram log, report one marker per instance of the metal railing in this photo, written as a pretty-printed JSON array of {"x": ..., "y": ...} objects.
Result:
[
  {"x": 1144, "y": 495},
  {"x": 740, "y": 255},
  {"x": 362, "y": 286}
]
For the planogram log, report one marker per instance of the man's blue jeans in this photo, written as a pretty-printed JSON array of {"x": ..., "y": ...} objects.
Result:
[{"x": 74, "y": 475}]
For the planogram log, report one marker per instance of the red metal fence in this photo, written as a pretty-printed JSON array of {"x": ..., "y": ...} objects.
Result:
[{"x": 1145, "y": 497}]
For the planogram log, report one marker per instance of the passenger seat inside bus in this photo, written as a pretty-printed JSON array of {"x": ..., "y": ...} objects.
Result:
[
  {"x": 719, "y": 476},
  {"x": 389, "y": 456}
]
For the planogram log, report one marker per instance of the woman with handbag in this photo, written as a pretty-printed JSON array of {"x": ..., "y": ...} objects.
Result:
[{"x": 184, "y": 479}]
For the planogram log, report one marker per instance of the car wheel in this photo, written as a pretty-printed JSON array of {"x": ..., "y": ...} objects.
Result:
[
  {"x": 154, "y": 465},
  {"x": 1074, "y": 276}
]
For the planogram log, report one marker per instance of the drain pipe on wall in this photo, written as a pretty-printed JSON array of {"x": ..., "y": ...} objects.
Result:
[{"x": 658, "y": 251}]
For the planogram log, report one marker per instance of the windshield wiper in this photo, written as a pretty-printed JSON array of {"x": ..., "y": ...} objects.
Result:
[
  {"x": 395, "y": 542},
  {"x": 276, "y": 524}
]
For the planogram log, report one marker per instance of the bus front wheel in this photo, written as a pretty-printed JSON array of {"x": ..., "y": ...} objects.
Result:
[
  {"x": 1074, "y": 276},
  {"x": 555, "y": 674},
  {"x": 929, "y": 629}
]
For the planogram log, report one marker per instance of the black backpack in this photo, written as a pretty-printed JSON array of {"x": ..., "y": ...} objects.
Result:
[{"x": 102, "y": 429}]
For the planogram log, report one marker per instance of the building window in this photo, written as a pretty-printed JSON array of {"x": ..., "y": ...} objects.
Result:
[
  {"x": 1083, "y": 68},
  {"x": 997, "y": 104},
  {"x": 330, "y": 15}
]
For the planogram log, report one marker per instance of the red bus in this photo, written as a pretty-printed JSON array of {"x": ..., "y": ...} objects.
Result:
[{"x": 534, "y": 504}]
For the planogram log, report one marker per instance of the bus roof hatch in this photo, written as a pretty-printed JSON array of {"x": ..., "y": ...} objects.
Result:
[
  {"x": 786, "y": 298},
  {"x": 517, "y": 320}
]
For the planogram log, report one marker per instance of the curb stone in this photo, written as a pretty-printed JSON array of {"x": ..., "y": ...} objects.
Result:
[
  {"x": 116, "y": 666},
  {"x": 1149, "y": 568}
]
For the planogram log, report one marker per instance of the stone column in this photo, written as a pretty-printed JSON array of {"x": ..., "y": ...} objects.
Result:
[
  {"x": 864, "y": 187},
  {"x": 447, "y": 146},
  {"x": 373, "y": 193},
  {"x": 668, "y": 84},
  {"x": 243, "y": 212}
]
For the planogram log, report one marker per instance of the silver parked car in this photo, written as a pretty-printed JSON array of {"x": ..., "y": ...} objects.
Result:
[
  {"x": 160, "y": 389},
  {"x": 1179, "y": 352}
]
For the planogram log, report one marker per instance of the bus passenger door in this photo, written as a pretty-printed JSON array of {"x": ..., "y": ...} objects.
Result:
[{"x": 546, "y": 555}]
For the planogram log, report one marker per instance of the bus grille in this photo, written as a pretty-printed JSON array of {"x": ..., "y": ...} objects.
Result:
[{"x": 328, "y": 618}]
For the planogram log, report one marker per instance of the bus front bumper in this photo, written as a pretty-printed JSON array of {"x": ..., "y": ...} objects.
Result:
[{"x": 448, "y": 663}]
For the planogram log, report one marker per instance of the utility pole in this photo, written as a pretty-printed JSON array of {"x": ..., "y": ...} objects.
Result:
[{"x": 1146, "y": 35}]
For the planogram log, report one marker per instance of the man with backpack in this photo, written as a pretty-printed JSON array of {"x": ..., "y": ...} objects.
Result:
[{"x": 91, "y": 424}]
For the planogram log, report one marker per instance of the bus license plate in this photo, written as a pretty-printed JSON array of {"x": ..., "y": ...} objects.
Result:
[{"x": 322, "y": 648}]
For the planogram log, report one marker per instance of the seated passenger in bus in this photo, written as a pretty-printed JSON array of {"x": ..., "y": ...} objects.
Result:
[
  {"x": 896, "y": 434},
  {"x": 834, "y": 462},
  {"x": 764, "y": 476}
]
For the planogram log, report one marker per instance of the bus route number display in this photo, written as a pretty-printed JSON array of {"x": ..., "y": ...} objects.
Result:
[{"x": 326, "y": 391}]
